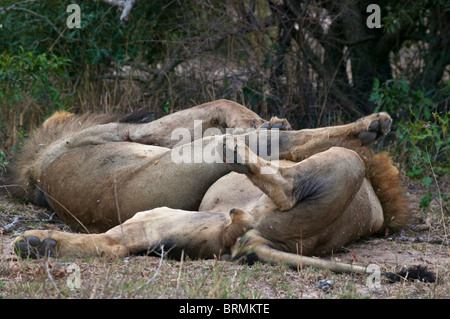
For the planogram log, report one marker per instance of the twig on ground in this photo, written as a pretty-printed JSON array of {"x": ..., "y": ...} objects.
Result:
[
  {"x": 10, "y": 226},
  {"x": 156, "y": 272},
  {"x": 179, "y": 272},
  {"x": 50, "y": 277}
]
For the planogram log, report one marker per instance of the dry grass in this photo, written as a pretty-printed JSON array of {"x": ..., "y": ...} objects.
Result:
[{"x": 153, "y": 277}]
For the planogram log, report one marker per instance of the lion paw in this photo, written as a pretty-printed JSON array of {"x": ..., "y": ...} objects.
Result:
[
  {"x": 242, "y": 251},
  {"x": 373, "y": 127},
  {"x": 236, "y": 154},
  {"x": 276, "y": 123},
  {"x": 34, "y": 247}
]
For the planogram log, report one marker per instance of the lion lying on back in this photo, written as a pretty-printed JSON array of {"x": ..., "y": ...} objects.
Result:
[{"x": 117, "y": 182}]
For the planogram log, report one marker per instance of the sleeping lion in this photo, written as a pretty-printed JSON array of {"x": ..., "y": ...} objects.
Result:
[{"x": 118, "y": 181}]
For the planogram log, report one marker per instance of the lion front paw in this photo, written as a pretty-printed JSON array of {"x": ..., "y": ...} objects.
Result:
[
  {"x": 373, "y": 127},
  {"x": 237, "y": 155},
  {"x": 30, "y": 246}
]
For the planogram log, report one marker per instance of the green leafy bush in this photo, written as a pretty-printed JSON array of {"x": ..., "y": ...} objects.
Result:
[
  {"x": 423, "y": 139},
  {"x": 30, "y": 89}
]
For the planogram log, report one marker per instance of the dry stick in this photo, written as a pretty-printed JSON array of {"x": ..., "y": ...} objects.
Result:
[
  {"x": 51, "y": 197},
  {"x": 85, "y": 228},
  {"x": 49, "y": 276},
  {"x": 156, "y": 272},
  {"x": 107, "y": 281},
  {"x": 94, "y": 290},
  {"x": 10, "y": 226},
  {"x": 46, "y": 19},
  {"x": 440, "y": 199},
  {"x": 179, "y": 272},
  {"x": 328, "y": 90},
  {"x": 13, "y": 185}
]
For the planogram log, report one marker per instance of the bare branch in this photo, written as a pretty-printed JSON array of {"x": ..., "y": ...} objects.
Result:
[
  {"x": 156, "y": 272},
  {"x": 15, "y": 7},
  {"x": 126, "y": 6},
  {"x": 323, "y": 72},
  {"x": 10, "y": 226},
  {"x": 49, "y": 275}
]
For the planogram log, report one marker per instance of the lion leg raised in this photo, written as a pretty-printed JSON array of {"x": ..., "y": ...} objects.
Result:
[
  {"x": 298, "y": 145},
  {"x": 264, "y": 174},
  {"x": 214, "y": 116},
  {"x": 321, "y": 203},
  {"x": 286, "y": 186},
  {"x": 220, "y": 114}
]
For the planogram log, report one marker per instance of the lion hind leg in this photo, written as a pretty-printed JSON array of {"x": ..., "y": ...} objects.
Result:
[
  {"x": 266, "y": 175},
  {"x": 329, "y": 178},
  {"x": 298, "y": 145}
]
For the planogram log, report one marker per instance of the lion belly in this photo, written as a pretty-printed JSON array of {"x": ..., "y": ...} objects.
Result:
[{"x": 231, "y": 191}]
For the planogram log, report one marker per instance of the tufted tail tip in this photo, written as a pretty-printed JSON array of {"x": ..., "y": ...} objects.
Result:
[{"x": 420, "y": 273}]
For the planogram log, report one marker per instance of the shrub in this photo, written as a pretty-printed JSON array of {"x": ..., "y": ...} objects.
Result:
[
  {"x": 30, "y": 89},
  {"x": 423, "y": 140}
]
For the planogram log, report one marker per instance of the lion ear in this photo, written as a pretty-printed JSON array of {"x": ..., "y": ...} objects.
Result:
[
  {"x": 236, "y": 215},
  {"x": 57, "y": 118},
  {"x": 240, "y": 223}
]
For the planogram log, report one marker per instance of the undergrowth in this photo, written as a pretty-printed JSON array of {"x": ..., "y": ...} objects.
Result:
[
  {"x": 29, "y": 91},
  {"x": 423, "y": 143}
]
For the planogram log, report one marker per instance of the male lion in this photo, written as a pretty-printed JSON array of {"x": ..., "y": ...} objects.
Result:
[{"x": 117, "y": 182}]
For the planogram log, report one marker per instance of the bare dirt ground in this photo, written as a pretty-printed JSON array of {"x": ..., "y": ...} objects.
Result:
[{"x": 155, "y": 277}]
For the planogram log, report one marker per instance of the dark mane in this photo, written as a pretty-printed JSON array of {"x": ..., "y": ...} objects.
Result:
[{"x": 386, "y": 183}]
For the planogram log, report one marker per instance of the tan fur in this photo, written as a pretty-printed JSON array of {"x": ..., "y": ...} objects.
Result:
[
  {"x": 64, "y": 133},
  {"x": 118, "y": 179}
]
